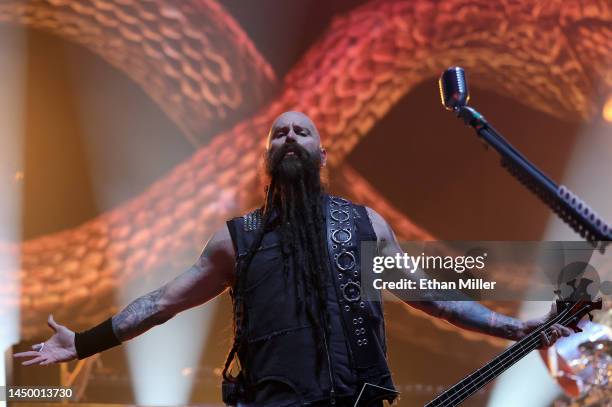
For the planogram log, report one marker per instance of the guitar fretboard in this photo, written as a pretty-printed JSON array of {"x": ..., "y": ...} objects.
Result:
[{"x": 479, "y": 378}]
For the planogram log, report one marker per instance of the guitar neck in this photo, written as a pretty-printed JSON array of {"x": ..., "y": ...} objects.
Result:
[
  {"x": 479, "y": 378},
  {"x": 573, "y": 311}
]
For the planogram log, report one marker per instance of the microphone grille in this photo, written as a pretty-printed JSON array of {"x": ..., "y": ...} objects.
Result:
[{"x": 453, "y": 88}]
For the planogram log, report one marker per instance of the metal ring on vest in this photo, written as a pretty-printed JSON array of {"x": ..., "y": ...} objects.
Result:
[
  {"x": 345, "y": 261},
  {"x": 351, "y": 291},
  {"x": 339, "y": 201},
  {"x": 342, "y": 217},
  {"x": 341, "y": 238}
]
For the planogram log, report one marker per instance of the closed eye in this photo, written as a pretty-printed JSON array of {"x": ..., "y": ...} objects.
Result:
[
  {"x": 280, "y": 132},
  {"x": 301, "y": 131}
]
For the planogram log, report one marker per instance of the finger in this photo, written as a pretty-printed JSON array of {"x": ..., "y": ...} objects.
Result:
[
  {"x": 549, "y": 338},
  {"x": 554, "y": 331},
  {"x": 545, "y": 341},
  {"x": 52, "y": 324},
  {"x": 555, "y": 336},
  {"x": 47, "y": 362},
  {"x": 33, "y": 361},
  {"x": 26, "y": 354},
  {"x": 561, "y": 330}
]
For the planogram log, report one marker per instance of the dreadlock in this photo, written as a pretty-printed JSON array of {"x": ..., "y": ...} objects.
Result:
[
  {"x": 237, "y": 291},
  {"x": 298, "y": 202},
  {"x": 302, "y": 237}
]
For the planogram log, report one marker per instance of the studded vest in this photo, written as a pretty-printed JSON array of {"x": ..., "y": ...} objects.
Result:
[{"x": 279, "y": 362}]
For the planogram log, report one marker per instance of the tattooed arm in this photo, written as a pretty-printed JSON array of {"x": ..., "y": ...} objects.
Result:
[
  {"x": 208, "y": 277},
  {"x": 211, "y": 274},
  {"x": 467, "y": 314}
]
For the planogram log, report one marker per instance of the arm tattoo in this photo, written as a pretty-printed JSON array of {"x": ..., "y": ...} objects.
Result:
[
  {"x": 468, "y": 314},
  {"x": 139, "y": 316},
  {"x": 472, "y": 315},
  {"x": 476, "y": 317}
]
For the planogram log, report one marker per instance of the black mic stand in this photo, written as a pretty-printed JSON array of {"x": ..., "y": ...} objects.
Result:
[{"x": 569, "y": 207}]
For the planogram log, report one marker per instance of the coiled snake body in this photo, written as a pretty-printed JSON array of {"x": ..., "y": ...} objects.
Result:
[{"x": 193, "y": 59}]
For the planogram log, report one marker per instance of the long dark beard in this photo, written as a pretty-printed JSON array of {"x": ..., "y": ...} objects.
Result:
[{"x": 296, "y": 193}]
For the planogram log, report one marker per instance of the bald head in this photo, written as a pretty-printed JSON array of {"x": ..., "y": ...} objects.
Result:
[{"x": 296, "y": 121}]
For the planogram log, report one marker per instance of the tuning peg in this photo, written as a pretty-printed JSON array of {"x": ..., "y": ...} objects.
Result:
[
  {"x": 576, "y": 329},
  {"x": 590, "y": 316}
]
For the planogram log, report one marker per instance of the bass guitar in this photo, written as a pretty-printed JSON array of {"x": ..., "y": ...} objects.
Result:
[{"x": 569, "y": 314}]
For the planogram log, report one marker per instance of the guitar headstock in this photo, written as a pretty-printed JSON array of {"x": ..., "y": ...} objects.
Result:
[{"x": 576, "y": 310}]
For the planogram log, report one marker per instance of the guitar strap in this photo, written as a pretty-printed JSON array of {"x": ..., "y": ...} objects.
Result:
[{"x": 344, "y": 252}]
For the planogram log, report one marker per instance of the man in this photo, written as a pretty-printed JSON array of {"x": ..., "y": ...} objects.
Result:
[{"x": 303, "y": 334}]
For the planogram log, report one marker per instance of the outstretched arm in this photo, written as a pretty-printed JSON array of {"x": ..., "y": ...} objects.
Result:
[
  {"x": 467, "y": 314},
  {"x": 211, "y": 274}
]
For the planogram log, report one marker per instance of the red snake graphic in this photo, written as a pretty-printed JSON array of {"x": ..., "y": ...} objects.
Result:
[{"x": 196, "y": 63}]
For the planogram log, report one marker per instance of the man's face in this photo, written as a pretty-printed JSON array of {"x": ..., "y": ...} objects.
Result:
[{"x": 290, "y": 131}]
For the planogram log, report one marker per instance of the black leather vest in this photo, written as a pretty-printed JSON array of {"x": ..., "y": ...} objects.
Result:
[{"x": 280, "y": 359}]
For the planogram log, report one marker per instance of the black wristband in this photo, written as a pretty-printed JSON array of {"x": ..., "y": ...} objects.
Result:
[{"x": 97, "y": 339}]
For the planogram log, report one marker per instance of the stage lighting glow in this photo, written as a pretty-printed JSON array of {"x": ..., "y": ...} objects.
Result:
[
  {"x": 158, "y": 358},
  {"x": 530, "y": 374},
  {"x": 590, "y": 159},
  {"x": 12, "y": 83},
  {"x": 607, "y": 110}
]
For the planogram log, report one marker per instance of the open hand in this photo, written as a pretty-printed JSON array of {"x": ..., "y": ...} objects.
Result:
[{"x": 58, "y": 348}]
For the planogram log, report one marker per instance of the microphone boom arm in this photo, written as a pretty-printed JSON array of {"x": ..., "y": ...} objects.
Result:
[{"x": 567, "y": 205}]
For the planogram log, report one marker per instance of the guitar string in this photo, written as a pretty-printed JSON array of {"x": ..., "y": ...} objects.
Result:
[
  {"x": 478, "y": 383},
  {"x": 534, "y": 335},
  {"x": 504, "y": 361}
]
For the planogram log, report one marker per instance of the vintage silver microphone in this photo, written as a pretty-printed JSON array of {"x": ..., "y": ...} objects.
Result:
[{"x": 453, "y": 88}]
